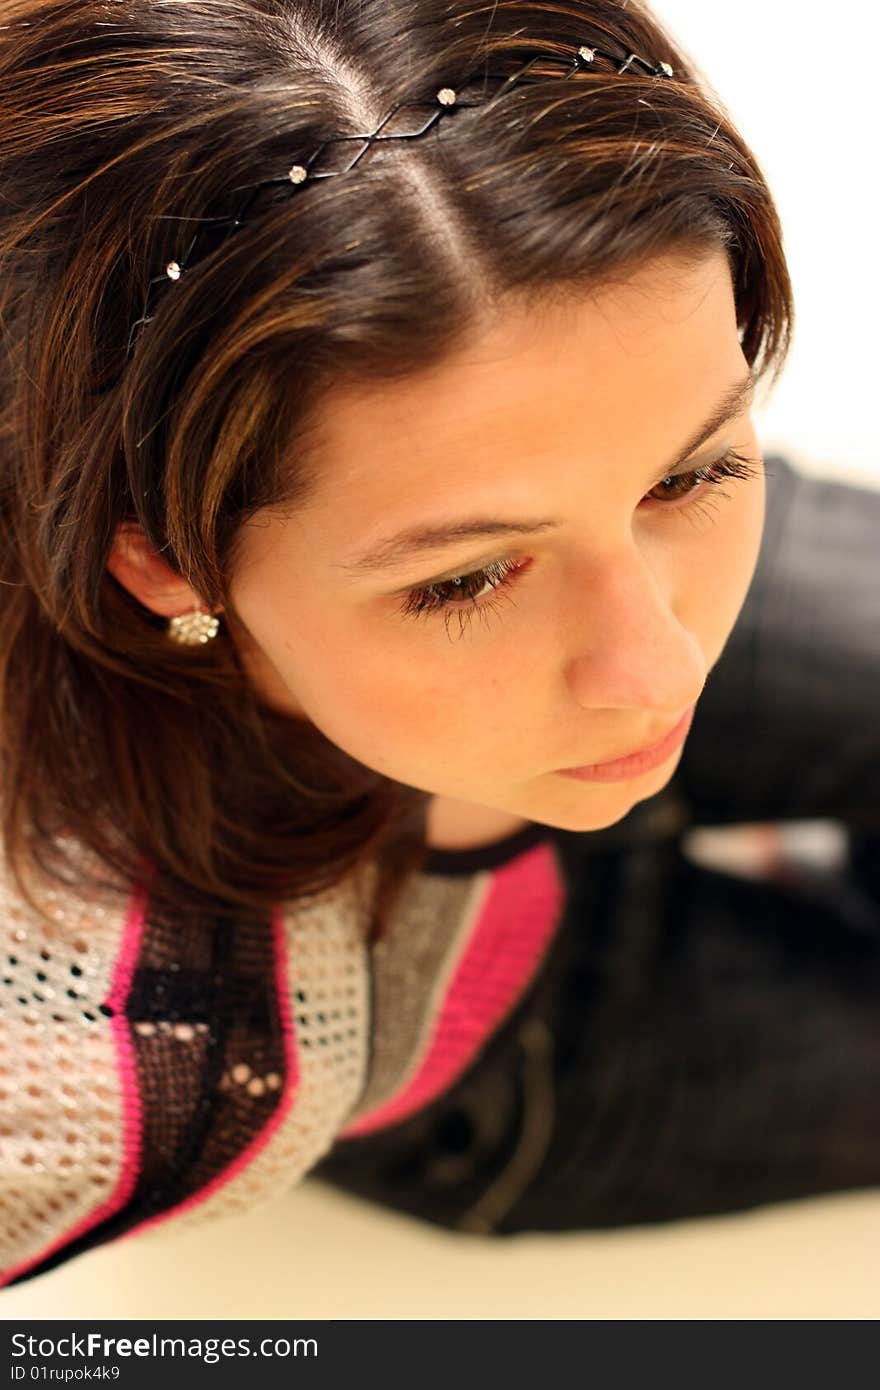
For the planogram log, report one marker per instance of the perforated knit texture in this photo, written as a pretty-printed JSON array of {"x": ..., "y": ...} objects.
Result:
[
  {"x": 152, "y": 1069},
  {"x": 61, "y": 1137}
]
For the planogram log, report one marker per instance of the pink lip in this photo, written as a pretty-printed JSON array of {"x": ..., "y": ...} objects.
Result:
[{"x": 636, "y": 763}]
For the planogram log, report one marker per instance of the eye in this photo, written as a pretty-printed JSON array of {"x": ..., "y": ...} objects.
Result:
[
  {"x": 683, "y": 485},
  {"x": 468, "y": 590},
  {"x": 468, "y": 594}
]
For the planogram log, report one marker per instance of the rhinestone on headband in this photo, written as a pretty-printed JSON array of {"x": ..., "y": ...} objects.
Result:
[{"x": 445, "y": 100}]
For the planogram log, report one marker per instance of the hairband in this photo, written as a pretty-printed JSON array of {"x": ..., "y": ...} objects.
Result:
[{"x": 444, "y": 101}]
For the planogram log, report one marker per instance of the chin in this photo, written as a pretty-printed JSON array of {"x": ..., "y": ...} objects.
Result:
[
  {"x": 582, "y": 822},
  {"x": 611, "y": 805}
]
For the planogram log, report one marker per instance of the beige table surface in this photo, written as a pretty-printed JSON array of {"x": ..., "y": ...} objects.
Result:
[{"x": 317, "y": 1253}]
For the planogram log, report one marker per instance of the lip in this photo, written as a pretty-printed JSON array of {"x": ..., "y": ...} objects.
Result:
[{"x": 634, "y": 764}]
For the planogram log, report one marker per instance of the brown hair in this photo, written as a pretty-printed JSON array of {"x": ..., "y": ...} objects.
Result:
[{"x": 117, "y": 119}]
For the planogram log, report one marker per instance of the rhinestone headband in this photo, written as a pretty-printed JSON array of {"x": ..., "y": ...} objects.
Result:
[{"x": 444, "y": 101}]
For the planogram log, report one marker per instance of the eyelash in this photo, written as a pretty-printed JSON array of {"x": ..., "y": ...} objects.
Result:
[{"x": 502, "y": 574}]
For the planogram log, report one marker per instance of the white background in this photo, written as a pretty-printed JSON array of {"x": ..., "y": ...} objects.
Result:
[{"x": 803, "y": 91}]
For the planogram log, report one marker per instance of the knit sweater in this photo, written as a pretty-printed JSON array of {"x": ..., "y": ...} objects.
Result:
[{"x": 150, "y": 1076}]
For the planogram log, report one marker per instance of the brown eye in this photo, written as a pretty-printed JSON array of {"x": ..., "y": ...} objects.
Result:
[
  {"x": 679, "y": 486},
  {"x": 461, "y": 594}
]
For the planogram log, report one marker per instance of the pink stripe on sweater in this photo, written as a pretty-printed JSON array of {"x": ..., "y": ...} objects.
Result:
[
  {"x": 123, "y": 971},
  {"x": 514, "y": 923},
  {"x": 247, "y": 1155}
]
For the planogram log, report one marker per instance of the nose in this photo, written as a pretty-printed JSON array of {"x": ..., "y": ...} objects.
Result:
[{"x": 632, "y": 649}]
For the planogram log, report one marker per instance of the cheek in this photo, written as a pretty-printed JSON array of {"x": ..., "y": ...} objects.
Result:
[
  {"x": 388, "y": 696},
  {"x": 747, "y": 530}
]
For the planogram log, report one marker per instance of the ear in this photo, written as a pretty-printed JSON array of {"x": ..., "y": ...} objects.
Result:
[{"x": 143, "y": 572}]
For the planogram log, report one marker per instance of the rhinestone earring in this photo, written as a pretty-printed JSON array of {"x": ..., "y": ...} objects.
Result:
[{"x": 193, "y": 628}]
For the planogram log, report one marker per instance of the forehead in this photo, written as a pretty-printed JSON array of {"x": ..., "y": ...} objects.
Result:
[{"x": 594, "y": 364}]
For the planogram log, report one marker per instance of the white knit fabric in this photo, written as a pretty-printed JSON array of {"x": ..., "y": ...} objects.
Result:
[{"x": 60, "y": 1097}]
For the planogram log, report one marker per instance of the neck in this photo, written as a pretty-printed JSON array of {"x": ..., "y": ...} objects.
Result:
[{"x": 452, "y": 824}]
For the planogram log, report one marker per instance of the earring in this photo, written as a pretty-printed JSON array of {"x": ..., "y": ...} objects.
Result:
[{"x": 193, "y": 628}]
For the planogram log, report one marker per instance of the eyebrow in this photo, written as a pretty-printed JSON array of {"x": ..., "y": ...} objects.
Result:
[{"x": 401, "y": 547}]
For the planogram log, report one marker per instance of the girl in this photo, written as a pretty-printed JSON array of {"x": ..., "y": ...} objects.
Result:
[{"x": 390, "y": 576}]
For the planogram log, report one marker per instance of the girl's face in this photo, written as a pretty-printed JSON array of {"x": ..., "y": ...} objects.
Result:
[{"x": 560, "y": 446}]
